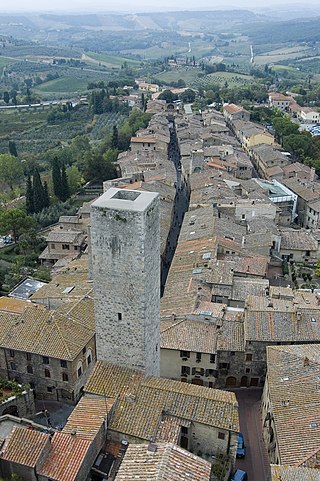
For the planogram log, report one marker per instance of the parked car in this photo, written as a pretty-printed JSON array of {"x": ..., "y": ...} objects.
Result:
[
  {"x": 239, "y": 475},
  {"x": 241, "y": 449}
]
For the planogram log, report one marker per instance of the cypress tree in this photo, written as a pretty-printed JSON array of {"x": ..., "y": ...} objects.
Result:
[
  {"x": 29, "y": 196},
  {"x": 46, "y": 200},
  {"x": 56, "y": 178},
  {"x": 115, "y": 138},
  {"x": 65, "y": 192},
  {"x": 13, "y": 148},
  {"x": 38, "y": 192}
]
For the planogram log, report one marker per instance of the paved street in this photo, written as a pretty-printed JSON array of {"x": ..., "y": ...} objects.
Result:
[{"x": 255, "y": 462}]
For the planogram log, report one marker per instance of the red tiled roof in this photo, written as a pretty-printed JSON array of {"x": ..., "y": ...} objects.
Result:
[
  {"x": 88, "y": 416},
  {"x": 24, "y": 446},
  {"x": 66, "y": 457}
]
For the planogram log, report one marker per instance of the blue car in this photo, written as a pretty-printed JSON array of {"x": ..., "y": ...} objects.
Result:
[
  {"x": 239, "y": 475},
  {"x": 241, "y": 450}
]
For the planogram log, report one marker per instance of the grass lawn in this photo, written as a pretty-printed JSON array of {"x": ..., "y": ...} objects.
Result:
[
  {"x": 5, "y": 62},
  {"x": 188, "y": 74},
  {"x": 63, "y": 85},
  {"x": 17, "y": 121},
  {"x": 220, "y": 78},
  {"x": 108, "y": 60},
  {"x": 282, "y": 54}
]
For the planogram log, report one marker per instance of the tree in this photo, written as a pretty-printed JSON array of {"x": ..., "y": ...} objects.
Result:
[
  {"x": 317, "y": 271},
  {"x": 38, "y": 193},
  {"x": 46, "y": 198},
  {"x": 13, "y": 148},
  {"x": 65, "y": 192},
  {"x": 298, "y": 144},
  {"x": 15, "y": 221},
  {"x": 168, "y": 96},
  {"x": 114, "y": 138},
  {"x": 11, "y": 170},
  {"x": 188, "y": 96},
  {"x": 6, "y": 97},
  {"x": 29, "y": 196},
  {"x": 56, "y": 177},
  {"x": 74, "y": 179}
]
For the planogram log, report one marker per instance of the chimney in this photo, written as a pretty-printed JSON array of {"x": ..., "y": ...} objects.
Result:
[
  {"x": 306, "y": 362},
  {"x": 312, "y": 174}
]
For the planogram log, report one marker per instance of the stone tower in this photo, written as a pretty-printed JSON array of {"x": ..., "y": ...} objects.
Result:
[{"x": 125, "y": 244}]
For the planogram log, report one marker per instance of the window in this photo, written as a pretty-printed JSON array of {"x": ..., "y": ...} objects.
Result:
[
  {"x": 184, "y": 430},
  {"x": 49, "y": 389},
  {"x": 13, "y": 366},
  {"x": 65, "y": 377},
  {"x": 249, "y": 357},
  {"x": 65, "y": 247},
  {"x": 63, "y": 363},
  {"x": 198, "y": 356},
  {"x": 209, "y": 372},
  {"x": 184, "y": 354},
  {"x": 197, "y": 371},
  {"x": 30, "y": 369},
  {"x": 45, "y": 360},
  {"x": 84, "y": 350},
  {"x": 221, "y": 435},
  {"x": 248, "y": 370},
  {"x": 185, "y": 370},
  {"x": 53, "y": 246},
  {"x": 79, "y": 368},
  {"x": 212, "y": 358},
  {"x": 89, "y": 359},
  {"x": 224, "y": 365},
  {"x": 232, "y": 353},
  {"x": 211, "y": 384},
  {"x": 75, "y": 248},
  {"x": 119, "y": 316},
  {"x": 11, "y": 352},
  {"x": 47, "y": 373},
  {"x": 32, "y": 385},
  {"x": 28, "y": 356}
]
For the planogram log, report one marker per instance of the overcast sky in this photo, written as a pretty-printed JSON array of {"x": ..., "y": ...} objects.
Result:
[{"x": 137, "y": 5}]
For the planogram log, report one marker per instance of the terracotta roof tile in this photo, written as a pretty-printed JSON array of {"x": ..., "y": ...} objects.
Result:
[
  {"x": 65, "y": 458},
  {"x": 163, "y": 462},
  {"x": 24, "y": 446},
  {"x": 293, "y": 377}
]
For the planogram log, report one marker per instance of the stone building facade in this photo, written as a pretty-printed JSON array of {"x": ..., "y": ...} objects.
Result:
[{"x": 125, "y": 242}]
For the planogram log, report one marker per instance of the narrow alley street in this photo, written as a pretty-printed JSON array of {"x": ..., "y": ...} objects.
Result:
[
  {"x": 181, "y": 204},
  {"x": 255, "y": 462}
]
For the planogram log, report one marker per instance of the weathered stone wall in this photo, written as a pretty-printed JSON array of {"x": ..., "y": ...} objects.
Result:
[{"x": 125, "y": 242}]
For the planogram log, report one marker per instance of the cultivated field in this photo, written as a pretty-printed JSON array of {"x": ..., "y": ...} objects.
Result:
[
  {"x": 63, "y": 85},
  {"x": 281, "y": 54},
  {"x": 110, "y": 61}
]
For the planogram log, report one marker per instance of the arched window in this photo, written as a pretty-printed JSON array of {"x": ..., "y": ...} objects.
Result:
[
  {"x": 47, "y": 373},
  {"x": 79, "y": 368},
  {"x": 89, "y": 357}
]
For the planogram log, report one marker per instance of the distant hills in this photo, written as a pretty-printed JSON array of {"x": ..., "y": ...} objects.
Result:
[{"x": 69, "y": 29}]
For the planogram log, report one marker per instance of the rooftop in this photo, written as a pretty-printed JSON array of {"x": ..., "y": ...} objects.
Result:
[
  {"x": 187, "y": 335},
  {"x": 24, "y": 446},
  {"x": 128, "y": 200},
  {"x": 66, "y": 456},
  {"x": 87, "y": 417},
  {"x": 289, "y": 473},
  {"x": 143, "y": 402},
  {"x": 294, "y": 239},
  {"x": 60, "y": 334},
  {"x": 293, "y": 376},
  {"x": 161, "y": 462}
]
